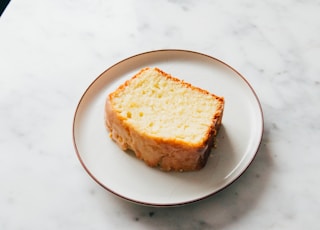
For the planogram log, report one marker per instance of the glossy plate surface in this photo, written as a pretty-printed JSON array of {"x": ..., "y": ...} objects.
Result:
[{"x": 124, "y": 175}]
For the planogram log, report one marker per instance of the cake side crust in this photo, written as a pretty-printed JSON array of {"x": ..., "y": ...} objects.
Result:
[{"x": 167, "y": 154}]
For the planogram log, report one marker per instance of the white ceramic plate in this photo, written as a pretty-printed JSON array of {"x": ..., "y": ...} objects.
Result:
[{"x": 124, "y": 175}]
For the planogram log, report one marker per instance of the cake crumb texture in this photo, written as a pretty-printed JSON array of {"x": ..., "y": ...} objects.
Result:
[{"x": 167, "y": 122}]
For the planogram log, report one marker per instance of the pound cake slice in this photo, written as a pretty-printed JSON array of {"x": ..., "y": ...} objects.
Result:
[{"x": 166, "y": 122}]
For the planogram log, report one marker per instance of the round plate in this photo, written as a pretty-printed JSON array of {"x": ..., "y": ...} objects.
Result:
[{"x": 128, "y": 177}]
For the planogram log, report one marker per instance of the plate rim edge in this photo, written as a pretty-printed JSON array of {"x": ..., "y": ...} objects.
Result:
[{"x": 173, "y": 204}]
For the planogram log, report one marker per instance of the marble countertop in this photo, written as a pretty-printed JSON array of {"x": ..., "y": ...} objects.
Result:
[{"x": 50, "y": 51}]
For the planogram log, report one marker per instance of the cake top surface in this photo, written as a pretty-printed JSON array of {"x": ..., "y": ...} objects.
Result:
[{"x": 162, "y": 106}]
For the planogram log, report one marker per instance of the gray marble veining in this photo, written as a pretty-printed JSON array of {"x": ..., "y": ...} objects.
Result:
[{"x": 50, "y": 51}]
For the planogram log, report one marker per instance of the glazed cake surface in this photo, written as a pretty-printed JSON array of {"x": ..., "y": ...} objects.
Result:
[{"x": 166, "y": 122}]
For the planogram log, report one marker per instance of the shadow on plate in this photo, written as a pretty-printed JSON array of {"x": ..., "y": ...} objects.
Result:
[{"x": 217, "y": 211}]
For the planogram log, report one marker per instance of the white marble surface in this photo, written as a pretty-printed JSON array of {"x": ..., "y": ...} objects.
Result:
[{"x": 50, "y": 51}]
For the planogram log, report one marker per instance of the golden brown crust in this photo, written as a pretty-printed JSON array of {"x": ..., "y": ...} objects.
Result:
[{"x": 166, "y": 154}]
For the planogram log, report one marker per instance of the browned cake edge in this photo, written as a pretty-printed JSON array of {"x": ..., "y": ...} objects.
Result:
[{"x": 168, "y": 155}]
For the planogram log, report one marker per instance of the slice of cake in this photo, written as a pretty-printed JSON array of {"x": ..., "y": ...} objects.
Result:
[{"x": 166, "y": 122}]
